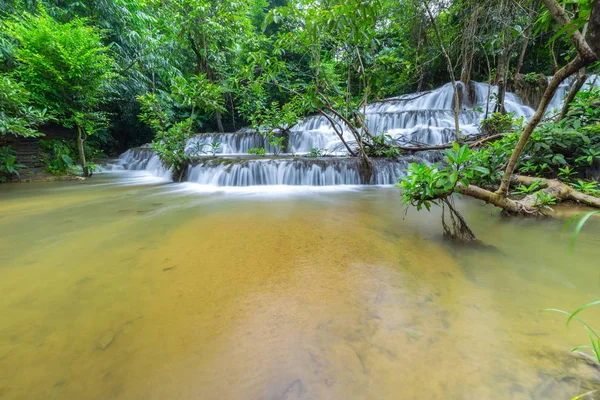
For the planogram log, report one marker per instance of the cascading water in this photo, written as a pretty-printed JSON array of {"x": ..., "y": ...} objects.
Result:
[
  {"x": 240, "y": 171},
  {"x": 142, "y": 159},
  {"x": 426, "y": 118},
  {"x": 421, "y": 118},
  {"x": 293, "y": 171},
  {"x": 228, "y": 143},
  {"x": 557, "y": 101}
]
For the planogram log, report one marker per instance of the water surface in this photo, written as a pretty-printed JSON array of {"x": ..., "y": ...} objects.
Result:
[{"x": 127, "y": 289}]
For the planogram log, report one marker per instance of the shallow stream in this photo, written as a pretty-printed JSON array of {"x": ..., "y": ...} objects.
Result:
[{"x": 125, "y": 287}]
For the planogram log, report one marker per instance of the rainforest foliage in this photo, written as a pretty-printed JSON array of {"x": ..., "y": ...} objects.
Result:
[{"x": 120, "y": 73}]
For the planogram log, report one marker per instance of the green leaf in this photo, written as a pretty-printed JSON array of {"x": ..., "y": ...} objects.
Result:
[
  {"x": 483, "y": 170},
  {"x": 580, "y": 309},
  {"x": 579, "y": 225},
  {"x": 67, "y": 160},
  {"x": 594, "y": 344},
  {"x": 582, "y": 322}
]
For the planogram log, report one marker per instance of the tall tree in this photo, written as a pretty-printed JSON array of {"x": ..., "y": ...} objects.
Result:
[
  {"x": 66, "y": 68},
  {"x": 587, "y": 53}
]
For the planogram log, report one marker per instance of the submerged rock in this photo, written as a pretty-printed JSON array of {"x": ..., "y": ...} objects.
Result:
[{"x": 105, "y": 339}]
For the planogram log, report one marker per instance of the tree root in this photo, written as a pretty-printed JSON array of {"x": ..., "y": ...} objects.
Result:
[
  {"x": 458, "y": 230},
  {"x": 530, "y": 204}
]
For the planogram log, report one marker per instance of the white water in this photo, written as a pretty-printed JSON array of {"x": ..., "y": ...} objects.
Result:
[
  {"x": 424, "y": 118},
  {"x": 562, "y": 91},
  {"x": 229, "y": 143},
  {"x": 294, "y": 172},
  {"x": 142, "y": 159},
  {"x": 265, "y": 171}
]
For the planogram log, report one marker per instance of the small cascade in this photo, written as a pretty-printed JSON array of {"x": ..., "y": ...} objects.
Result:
[
  {"x": 229, "y": 143},
  {"x": 141, "y": 159},
  {"x": 557, "y": 101},
  {"x": 425, "y": 118},
  {"x": 420, "y": 118},
  {"x": 293, "y": 171}
]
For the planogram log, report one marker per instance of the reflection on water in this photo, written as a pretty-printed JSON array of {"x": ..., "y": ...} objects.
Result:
[{"x": 156, "y": 291}]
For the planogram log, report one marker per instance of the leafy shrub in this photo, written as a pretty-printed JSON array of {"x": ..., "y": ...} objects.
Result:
[
  {"x": 499, "y": 123},
  {"x": 523, "y": 190},
  {"x": 591, "y": 188},
  {"x": 425, "y": 185},
  {"x": 8, "y": 163},
  {"x": 556, "y": 148},
  {"x": 170, "y": 141},
  {"x": 276, "y": 142},
  {"x": 532, "y": 78},
  {"x": 169, "y": 145},
  {"x": 382, "y": 146},
  {"x": 214, "y": 147},
  {"x": 315, "y": 152},
  {"x": 493, "y": 157},
  {"x": 17, "y": 116},
  {"x": 544, "y": 200},
  {"x": 57, "y": 156},
  {"x": 572, "y": 142},
  {"x": 259, "y": 151}
]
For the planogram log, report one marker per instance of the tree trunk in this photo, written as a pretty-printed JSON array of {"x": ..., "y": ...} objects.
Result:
[
  {"x": 80, "y": 141},
  {"x": 593, "y": 33},
  {"x": 521, "y": 59},
  {"x": 366, "y": 161},
  {"x": 501, "y": 77},
  {"x": 529, "y": 204},
  {"x": 586, "y": 55},
  {"x": 230, "y": 97},
  {"x": 468, "y": 50},
  {"x": 557, "y": 79},
  {"x": 450, "y": 72},
  {"x": 554, "y": 61},
  {"x": 576, "y": 86},
  {"x": 528, "y": 32},
  {"x": 418, "y": 63},
  {"x": 489, "y": 90},
  {"x": 219, "y": 121},
  {"x": 337, "y": 131}
]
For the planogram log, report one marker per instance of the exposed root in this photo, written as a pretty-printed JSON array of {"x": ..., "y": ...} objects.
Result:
[{"x": 458, "y": 230}]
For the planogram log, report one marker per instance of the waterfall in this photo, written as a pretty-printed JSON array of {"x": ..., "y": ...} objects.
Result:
[
  {"x": 229, "y": 143},
  {"x": 557, "y": 101},
  {"x": 292, "y": 171},
  {"x": 141, "y": 159},
  {"x": 426, "y": 118},
  {"x": 423, "y": 118}
]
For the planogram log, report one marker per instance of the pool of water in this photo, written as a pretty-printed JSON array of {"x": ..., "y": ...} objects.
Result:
[{"x": 125, "y": 287}]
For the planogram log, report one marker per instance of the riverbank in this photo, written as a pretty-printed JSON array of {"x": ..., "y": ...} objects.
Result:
[{"x": 36, "y": 175}]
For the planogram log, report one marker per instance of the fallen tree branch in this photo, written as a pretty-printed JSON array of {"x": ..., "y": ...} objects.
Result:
[
  {"x": 396, "y": 99},
  {"x": 559, "y": 190},
  {"x": 529, "y": 204},
  {"x": 445, "y": 146}
]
